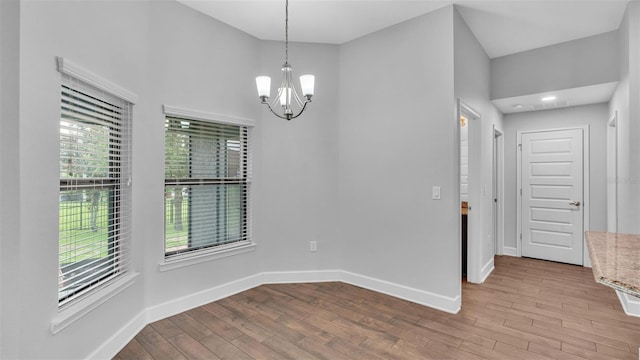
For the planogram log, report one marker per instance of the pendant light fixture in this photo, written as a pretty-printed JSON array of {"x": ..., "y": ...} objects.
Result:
[{"x": 292, "y": 105}]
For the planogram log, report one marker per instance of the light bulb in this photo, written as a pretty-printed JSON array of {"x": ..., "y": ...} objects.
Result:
[{"x": 285, "y": 96}]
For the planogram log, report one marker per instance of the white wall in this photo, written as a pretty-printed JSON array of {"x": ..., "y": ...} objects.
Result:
[
  {"x": 9, "y": 179},
  {"x": 354, "y": 173},
  {"x": 144, "y": 53},
  {"x": 596, "y": 117},
  {"x": 297, "y": 164},
  {"x": 204, "y": 65},
  {"x": 472, "y": 85},
  {"x": 396, "y": 140},
  {"x": 633, "y": 13},
  {"x": 588, "y": 61},
  {"x": 86, "y": 33},
  {"x": 626, "y": 102}
]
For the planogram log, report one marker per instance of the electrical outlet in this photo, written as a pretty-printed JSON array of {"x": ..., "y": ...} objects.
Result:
[{"x": 313, "y": 246}]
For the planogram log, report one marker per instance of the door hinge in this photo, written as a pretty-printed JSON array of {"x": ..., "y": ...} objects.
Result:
[
  {"x": 520, "y": 236},
  {"x": 520, "y": 192},
  {"x": 520, "y": 147}
]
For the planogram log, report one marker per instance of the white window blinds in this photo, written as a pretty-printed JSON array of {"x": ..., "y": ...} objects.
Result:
[
  {"x": 95, "y": 154},
  {"x": 206, "y": 185}
]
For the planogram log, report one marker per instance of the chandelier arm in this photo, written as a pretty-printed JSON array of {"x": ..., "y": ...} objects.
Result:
[
  {"x": 295, "y": 96},
  {"x": 276, "y": 114},
  {"x": 301, "y": 110},
  {"x": 276, "y": 99}
]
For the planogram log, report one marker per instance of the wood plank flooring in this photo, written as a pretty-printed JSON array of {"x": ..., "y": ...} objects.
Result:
[{"x": 527, "y": 309}]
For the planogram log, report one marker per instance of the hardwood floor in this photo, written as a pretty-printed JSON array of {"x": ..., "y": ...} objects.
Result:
[{"x": 527, "y": 309}]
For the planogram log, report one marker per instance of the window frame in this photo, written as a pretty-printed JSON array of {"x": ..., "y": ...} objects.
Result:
[
  {"x": 206, "y": 253},
  {"x": 98, "y": 290},
  {"x": 111, "y": 183}
]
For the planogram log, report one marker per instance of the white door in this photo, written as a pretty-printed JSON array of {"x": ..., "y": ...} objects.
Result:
[{"x": 552, "y": 195}]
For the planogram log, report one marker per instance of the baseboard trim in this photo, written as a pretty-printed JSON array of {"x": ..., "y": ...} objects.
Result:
[
  {"x": 121, "y": 338},
  {"x": 184, "y": 303},
  {"x": 630, "y": 304},
  {"x": 286, "y": 277},
  {"x": 436, "y": 301},
  {"x": 426, "y": 298},
  {"x": 509, "y": 251},
  {"x": 157, "y": 312},
  {"x": 486, "y": 270}
]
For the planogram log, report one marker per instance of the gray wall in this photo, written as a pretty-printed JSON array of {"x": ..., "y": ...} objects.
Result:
[
  {"x": 9, "y": 176},
  {"x": 588, "y": 61},
  {"x": 626, "y": 103},
  {"x": 354, "y": 173},
  {"x": 472, "y": 85},
  {"x": 203, "y": 65},
  {"x": 396, "y": 141},
  {"x": 117, "y": 51},
  {"x": 297, "y": 164},
  {"x": 306, "y": 175},
  {"x": 595, "y": 116}
]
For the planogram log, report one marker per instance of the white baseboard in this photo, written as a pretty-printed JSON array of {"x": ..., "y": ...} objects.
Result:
[
  {"x": 630, "y": 304},
  {"x": 429, "y": 299},
  {"x": 115, "y": 343},
  {"x": 486, "y": 270},
  {"x": 286, "y": 277},
  {"x": 176, "y": 306},
  {"x": 157, "y": 312},
  {"x": 436, "y": 301},
  {"x": 509, "y": 251}
]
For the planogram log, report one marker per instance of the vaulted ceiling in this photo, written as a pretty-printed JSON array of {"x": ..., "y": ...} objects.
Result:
[{"x": 502, "y": 27}]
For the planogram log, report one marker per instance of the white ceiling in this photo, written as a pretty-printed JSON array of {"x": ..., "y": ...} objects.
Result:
[
  {"x": 593, "y": 94},
  {"x": 502, "y": 27}
]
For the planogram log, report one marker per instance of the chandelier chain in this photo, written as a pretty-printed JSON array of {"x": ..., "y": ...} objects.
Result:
[
  {"x": 286, "y": 32},
  {"x": 292, "y": 105}
]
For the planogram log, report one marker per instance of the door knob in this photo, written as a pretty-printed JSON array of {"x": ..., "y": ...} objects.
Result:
[{"x": 575, "y": 203}]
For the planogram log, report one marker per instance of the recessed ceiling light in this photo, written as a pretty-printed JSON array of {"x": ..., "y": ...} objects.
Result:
[
  {"x": 517, "y": 106},
  {"x": 548, "y": 98}
]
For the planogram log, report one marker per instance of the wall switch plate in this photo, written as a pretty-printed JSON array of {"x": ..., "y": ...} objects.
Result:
[
  {"x": 435, "y": 193},
  {"x": 313, "y": 246}
]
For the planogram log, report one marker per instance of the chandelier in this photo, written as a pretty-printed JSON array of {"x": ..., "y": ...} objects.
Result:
[{"x": 292, "y": 105}]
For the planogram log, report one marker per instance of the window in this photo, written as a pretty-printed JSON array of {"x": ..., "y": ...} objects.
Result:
[
  {"x": 206, "y": 186},
  {"x": 94, "y": 189}
]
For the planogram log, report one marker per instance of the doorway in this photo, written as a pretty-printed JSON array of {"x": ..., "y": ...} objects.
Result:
[
  {"x": 498, "y": 190},
  {"x": 553, "y": 190},
  {"x": 468, "y": 135}
]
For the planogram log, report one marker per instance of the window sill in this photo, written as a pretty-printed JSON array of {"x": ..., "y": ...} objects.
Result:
[
  {"x": 77, "y": 310},
  {"x": 197, "y": 257}
]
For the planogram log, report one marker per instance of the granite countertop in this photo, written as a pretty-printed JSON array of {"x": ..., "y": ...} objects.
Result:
[{"x": 615, "y": 260}]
